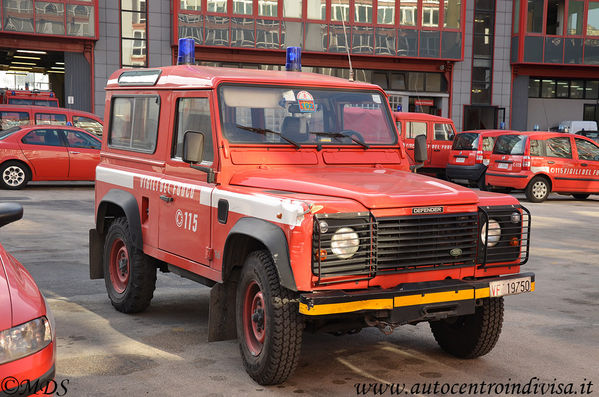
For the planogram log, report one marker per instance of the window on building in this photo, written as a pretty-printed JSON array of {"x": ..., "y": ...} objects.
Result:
[
  {"x": 535, "y": 16},
  {"x": 194, "y": 5},
  {"x": 592, "y": 90},
  {"x": 242, "y": 7},
  {"x": 482, "y": 52},
  {"x": 593, "y": 19},
  {"x": 408, "y": 10},
  {"x": 577, "y": 89},
  {"x": 548, "y": 89},
  {"x": 534, "y": 88},
  {"x": 340, "y": 10},
  {"x": 563, "y": 89},
  {"x": 268, "y": 8},
  {"x": 133, "y": 33},
  {"x": 317, "y": 9},
  {"x": 363, "y": 11},
  {"x": 292, "y": 9},
  {"x": 575, "y": 17},
  {"x": 430, "y": 13},
  {"x": 555, "y": 17},
  {"x": 516, "y": 13},
  {"x": 453, "y": 13},
  {"x": 385, "y": 12},
  {"x": 219, "y": 6}
]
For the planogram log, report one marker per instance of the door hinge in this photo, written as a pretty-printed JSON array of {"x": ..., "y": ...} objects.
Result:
[{"x": 209, "y": 253}]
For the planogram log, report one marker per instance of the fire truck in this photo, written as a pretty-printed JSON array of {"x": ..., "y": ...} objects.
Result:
[
  {"x": 259, "y": 185},
  {"x": 28, "y": 97}
]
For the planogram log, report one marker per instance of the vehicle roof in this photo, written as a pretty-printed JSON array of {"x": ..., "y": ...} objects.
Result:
[
  {"x": 420, "y": 116},
  {"x": 27, "y": 128},
  {"x": 542, "y": 134},
  {"x": 47, "y": 109},
  {"x": 192, "y": 76},
  {"x": 489, "y": 132}
]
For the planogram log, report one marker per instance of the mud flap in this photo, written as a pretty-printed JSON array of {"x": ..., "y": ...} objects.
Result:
[{"x": 221, "y": 316}]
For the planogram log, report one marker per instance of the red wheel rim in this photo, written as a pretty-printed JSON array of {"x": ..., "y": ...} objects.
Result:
[
  {"x": 254, "y": 318},
  {"x": 119, "y": 266}
]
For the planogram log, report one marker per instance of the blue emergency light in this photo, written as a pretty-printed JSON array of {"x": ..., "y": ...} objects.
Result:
[
  {"x": 294, "y": 59},
  {"x": 187, "y": 56},
  {"x": 399, "y": 108}
]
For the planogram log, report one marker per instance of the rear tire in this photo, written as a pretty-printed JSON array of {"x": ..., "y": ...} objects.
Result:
[
  {"x": 14, "y": 175},
  {"x": 129, "y": 275},
  {"x": 538, "y": 189},
  {"x": 472, "y": 335},
  {"x": 581, "y": 196},
  {"x": 269, "y": 326}
]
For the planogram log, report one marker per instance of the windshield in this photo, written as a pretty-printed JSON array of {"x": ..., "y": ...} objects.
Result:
[
  {"x": 304, "y": 116},
  {"x": 466, "y": 141},
  {"x": 510, "y": 144}
]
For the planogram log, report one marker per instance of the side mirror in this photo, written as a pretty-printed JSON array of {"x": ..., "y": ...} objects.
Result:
[
  {"x": 420, "y": 152},
  {"x": 10, "y": 212},
  {"x": 193, "y": 147}
]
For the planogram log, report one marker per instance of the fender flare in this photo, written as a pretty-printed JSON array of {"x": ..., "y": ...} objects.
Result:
[
  {"x": 127, "y": 202},
  {"x": 273, "y": 238}
]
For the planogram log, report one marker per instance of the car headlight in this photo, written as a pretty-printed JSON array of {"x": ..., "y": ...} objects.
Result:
[
  {"x": 494, "y": 233},
  {"x": 25, "y": 339},
  {"x": 345, "y": 243}
]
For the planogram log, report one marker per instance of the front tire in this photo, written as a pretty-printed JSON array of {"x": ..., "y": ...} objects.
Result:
[
  {"x": 129, "y": 275},
  {"x": 538, "y": 189},
  {"x": 472, "y": 335},
  {"x": 13, "y": 175},
  {"x": 269, "y": 326}
]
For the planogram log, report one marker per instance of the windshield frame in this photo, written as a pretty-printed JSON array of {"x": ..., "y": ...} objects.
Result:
[{"x": 298, "y": 87}]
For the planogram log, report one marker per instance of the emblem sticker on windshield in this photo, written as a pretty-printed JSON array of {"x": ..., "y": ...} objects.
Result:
[{"x": 306, "y": 102}]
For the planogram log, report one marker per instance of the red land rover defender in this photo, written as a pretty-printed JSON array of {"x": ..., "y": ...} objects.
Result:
[
  {"x": 258, "y": 184},
  {"x": 545, "y": 162},
  {"x": 439, "y": 132}
]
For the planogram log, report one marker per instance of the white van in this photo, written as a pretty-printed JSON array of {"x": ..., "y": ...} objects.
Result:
[{"x": 574, "y": 126}]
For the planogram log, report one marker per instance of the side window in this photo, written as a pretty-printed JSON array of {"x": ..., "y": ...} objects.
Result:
[
  {"x": 88, "y": 124},
  {"x": 80, "y": 140},
  {"x": 488, "y": 143},
  {"x": 415, "y": 128},
  {"x": 444, "y": 132},
  {"x": 398, "y": 124},
  {"x": 193, "y": 114},
  {"x": 13, "y": 119},
  {"x": 587, "y": 150},
  {"x": 559, "y": 147},
  {"x": 50, "y": 118},
  {"x": 43, "y": 137},
  {"x": 536, "y": 147},
  {"x": 134, "y": 123}
]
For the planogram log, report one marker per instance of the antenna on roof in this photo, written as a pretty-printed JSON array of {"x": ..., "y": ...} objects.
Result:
[{"x": 351, "y": 70}]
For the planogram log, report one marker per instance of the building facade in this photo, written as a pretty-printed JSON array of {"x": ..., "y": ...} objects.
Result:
[{"x": 484, "y": 63}]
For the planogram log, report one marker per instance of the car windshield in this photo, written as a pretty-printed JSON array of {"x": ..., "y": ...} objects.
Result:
[
  {"x": 510, "y": 144},
  {"x": 466, "y": 141},
  {"x": 304, "y": 116}
]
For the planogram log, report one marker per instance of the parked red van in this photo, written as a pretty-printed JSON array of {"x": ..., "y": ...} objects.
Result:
[
  {"x": 439, "y": 132},
  {"x": 544, "y": 162},
  {"x": 29, "y": 97},
  {"x": 469, "y": 156},
  {"x": 18, "y": 115}
]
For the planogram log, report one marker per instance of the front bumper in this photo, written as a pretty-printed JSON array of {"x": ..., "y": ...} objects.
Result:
[
  {"x": 410, "y": 302},
  {"x": 467, "y": 172}
]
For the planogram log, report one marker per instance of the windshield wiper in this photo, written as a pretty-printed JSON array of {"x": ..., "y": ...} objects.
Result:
[
  {"x": 264, "y": 131},
  {"x": 341, "y": 135}
]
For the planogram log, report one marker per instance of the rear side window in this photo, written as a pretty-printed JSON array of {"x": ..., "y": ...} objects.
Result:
[
  {"x": 465, "y": 141},
  {"x": 134, "y": 123},
  {"x": 488, "y": 143},
  {"x": 537, "y": 148},
  {"x": 50, "y": 118},
  {"x": 415, "y": 128},
  {"x": 510, "y": 144},
  {"x": 444, "y": 132},
  {"x": 13, "y": 119},
  {"x": 559, "y": 147},
  {"x": 91, "y": 125},
  {"x": 49, "y": 137}
]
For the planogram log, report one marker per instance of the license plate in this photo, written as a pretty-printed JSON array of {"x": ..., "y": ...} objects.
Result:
[
  {"x": 510, "y": 287},
  {"x": 502, "y": 166},
  {"x": 460, "y": 159}
]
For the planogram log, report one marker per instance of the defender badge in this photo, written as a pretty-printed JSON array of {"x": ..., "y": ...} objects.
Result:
[
  {"x": 455, "y": 252},
  {"x": 427, "y": 210}
]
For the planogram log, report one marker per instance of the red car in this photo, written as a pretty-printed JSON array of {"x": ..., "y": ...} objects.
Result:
[
  {"x": 27, "y": 332},
  {"x": 47, "y": 153},
  {"x": 543, "y": 162},
  {"x": 469, "y": 156}
]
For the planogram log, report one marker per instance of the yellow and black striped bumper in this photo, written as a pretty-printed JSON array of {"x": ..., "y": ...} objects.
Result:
[{"x": 410, "y": 301}]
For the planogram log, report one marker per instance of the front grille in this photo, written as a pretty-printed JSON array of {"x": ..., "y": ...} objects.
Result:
[{"x": 426, "y": 242}]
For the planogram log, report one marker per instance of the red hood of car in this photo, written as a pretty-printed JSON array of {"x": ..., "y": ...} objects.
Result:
[
  {"x": 374, "y": 188},
  {"x": 20, "y": 299}
]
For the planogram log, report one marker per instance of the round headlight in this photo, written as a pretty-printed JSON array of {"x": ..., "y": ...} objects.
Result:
[
  {"x": 515, "y": 217},
  {"x": 345, "y": 243},
  {"x": 324, "y": 226},
  {"x": 494, "y": 233}
]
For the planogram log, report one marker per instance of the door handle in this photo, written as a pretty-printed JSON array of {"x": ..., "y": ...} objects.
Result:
[
  {"x": 551, "y": 162},
  {"x": 167, "y": 199},
  {"x": 584, "y": 165},
  {"x": 436, "y": 150},
  {"x": 75, "y": 152}
]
